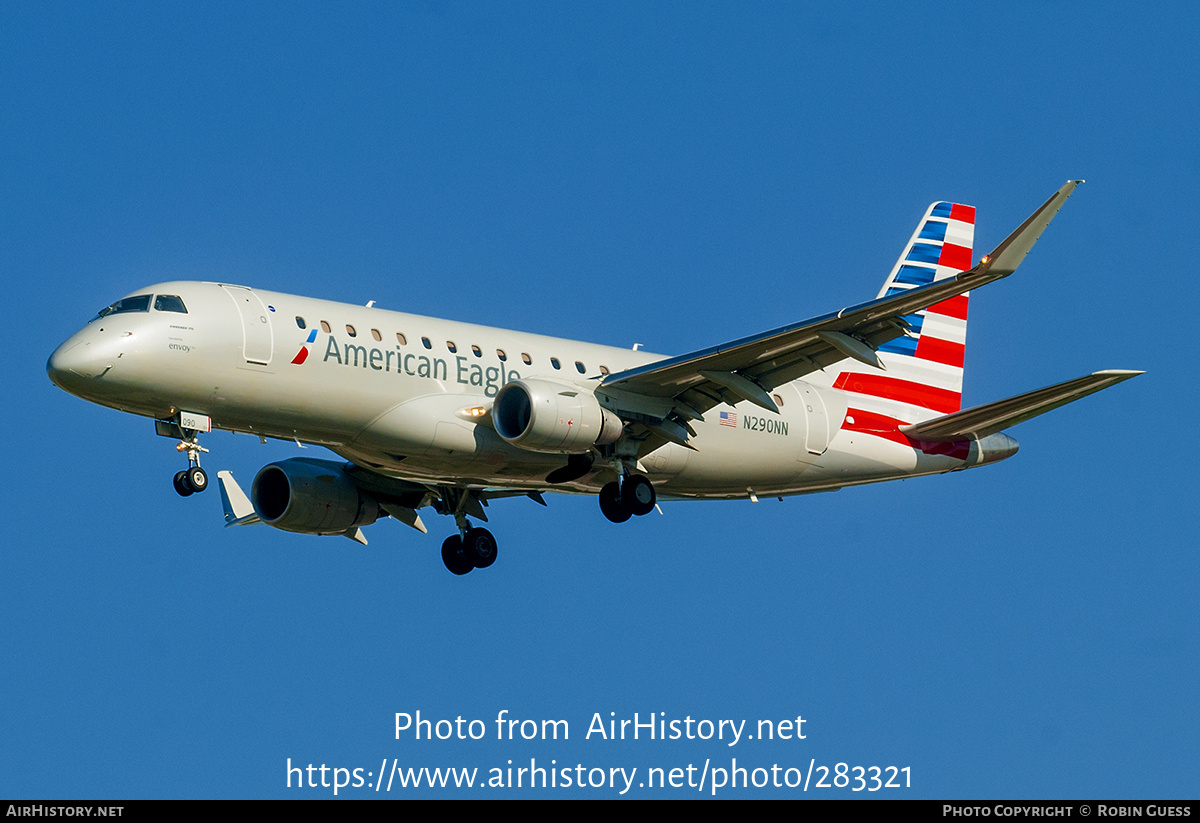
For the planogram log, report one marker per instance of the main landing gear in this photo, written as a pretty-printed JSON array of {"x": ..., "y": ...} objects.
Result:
[
  {"x": 192, "y": 479},
  {"x": 476, "y": 549},
  {"x": 634, "y": 495},
  {"x": 472, "y": 547}
]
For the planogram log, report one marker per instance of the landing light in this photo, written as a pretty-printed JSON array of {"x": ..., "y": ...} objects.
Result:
[{"x": 474, "y": 413}]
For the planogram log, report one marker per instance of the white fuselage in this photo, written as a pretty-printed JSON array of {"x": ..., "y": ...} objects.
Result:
[{"x": 385, "y": 390}]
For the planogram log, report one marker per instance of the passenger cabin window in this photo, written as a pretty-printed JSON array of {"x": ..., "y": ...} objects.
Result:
[
  {"x": 450, "y": 345},
  {"x": 326, "y": 328},
  {"x": 425, "y": 342},
  {"x": 554, "y": 362},
  {"x": 528, "y": 360},
  {"x": 169, "y": 302},
  {"x": 475, "y": 350},
  {"x": 778, "y": 400},
  {"x": 139, "y": 303},
  {"x": 375, "y": 333},
  {"x": 401, "y": 339},
  {"x": 300, "y": 322},
  {"x": 579, "y": 367},
  {"x": 604, "y": 370},
  {"x": 500, "y": 353},
  {"x": 350, "y": 330}
]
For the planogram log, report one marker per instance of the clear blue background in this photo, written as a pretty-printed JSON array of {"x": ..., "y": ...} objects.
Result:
[{"x": 675, "y": 175}]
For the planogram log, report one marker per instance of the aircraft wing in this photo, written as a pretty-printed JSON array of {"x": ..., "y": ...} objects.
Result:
[{"x": 748, "y": 369}]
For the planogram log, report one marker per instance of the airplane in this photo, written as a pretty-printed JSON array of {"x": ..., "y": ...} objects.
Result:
[{"x": 450, "y": 416}]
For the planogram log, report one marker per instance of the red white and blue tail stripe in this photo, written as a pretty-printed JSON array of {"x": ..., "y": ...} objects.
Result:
[{"x": 924, "y": 369}]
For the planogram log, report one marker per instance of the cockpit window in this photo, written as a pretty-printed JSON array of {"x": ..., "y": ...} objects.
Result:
[
  {"x": 138, "y": 303},
  {"x": 169, "y": 302}
]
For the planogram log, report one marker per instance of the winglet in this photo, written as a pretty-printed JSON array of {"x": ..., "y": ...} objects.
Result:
[
  {"x": 238, "y": 509},
  {"x": 1005, "y": 258}
]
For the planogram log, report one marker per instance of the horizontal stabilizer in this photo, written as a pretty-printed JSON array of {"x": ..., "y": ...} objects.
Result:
[
  {"x": 979, "y": 422},
  {"x": 238, "y": 509}
]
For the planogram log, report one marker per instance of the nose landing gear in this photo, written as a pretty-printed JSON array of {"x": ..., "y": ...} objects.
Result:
[
  {"x": 186, "y": 428},
  {"x": 192, "y": 479}
]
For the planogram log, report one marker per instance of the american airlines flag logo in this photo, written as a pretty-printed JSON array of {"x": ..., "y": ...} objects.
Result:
[
  {"x": 729, "y": 419},
  {"x": 302, "y": 355}
]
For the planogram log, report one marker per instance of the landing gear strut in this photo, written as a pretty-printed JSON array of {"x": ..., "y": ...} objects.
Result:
[
  {"x": 193, "y": 479},
  {"x": 472, "y": 547},
  {"x": 634, "y": 495}
]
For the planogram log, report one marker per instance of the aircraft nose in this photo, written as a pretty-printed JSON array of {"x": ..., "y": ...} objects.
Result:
[{"x": 73, "y": 360}]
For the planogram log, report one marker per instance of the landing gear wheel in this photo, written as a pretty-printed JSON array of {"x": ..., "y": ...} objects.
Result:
[
  {"x": 197, "y": 479},
  {"x": 480, "y": 548},
  {"x": 454, "y": 558},
  {"x": 181, "y": 484},
  {"x": 637, "y": 494},
  {"x": 611, "y": 505}
]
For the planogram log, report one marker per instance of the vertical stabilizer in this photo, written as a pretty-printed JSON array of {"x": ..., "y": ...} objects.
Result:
[{"x": 924, "y": 369}]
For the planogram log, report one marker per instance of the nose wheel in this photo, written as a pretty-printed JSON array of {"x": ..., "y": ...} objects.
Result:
[
  {"x": 193, "y": 479},
  {"x": 190, "y": 481}
]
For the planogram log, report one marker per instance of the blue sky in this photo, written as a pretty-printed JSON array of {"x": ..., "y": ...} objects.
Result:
[{"x": 675, "y": 175}]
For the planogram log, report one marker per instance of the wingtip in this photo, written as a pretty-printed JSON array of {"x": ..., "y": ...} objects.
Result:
[
  {"x": 237, "y": 506},
  {"x": 1005, "y": 258},
  {"x": 1069, "y": 187}
]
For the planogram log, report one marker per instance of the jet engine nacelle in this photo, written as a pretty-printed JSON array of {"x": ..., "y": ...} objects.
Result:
[
  {"x": 559, "y": 418},
  {"x": 310, "y": 497}
]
